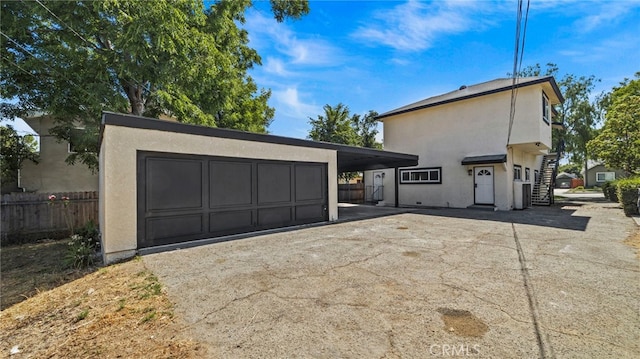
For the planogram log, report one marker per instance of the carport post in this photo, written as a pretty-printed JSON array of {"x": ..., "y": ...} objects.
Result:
[{"x": 395, "y": 184}]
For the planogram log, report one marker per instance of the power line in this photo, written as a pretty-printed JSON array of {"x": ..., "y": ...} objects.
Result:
[
  {"x": 517, "y": 63},
  {"x": 50, "y": 68},
  {"x": 69, "y": 27}
]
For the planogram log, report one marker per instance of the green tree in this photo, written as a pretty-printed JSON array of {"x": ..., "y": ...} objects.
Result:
[
  {"x": 366, "y": 128},
  {"x": 618, "y": 143},
  {"x": 573, "y": 168},
  {"x": 334, "y": 126},
  {"x": 14, "y": 150},
  {"x": 577, "y": 113},
  {"x": 74, "y": 59}
]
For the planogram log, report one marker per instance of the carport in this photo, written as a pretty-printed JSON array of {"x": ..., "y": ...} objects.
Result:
[{"x": 165, "y": 183}]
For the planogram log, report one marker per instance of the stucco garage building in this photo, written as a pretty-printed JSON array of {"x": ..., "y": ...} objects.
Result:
[{"x": 164, "y": 183}]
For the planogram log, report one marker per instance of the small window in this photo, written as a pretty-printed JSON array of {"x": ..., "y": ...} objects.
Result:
[
  {"x": 536, "y": 175},
  {"x": 421, "y": 175},
  {"x": 546, "y": 109},
  {"x": 517, "y": 172},
  {"x": 605, "y": 176},
  {"x": 527, "y": 174}
]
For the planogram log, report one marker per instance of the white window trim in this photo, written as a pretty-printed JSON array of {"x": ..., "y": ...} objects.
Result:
[
  {"x": 425, "y": 169},
  {"x": 546, "y": 109},
  {"x": 517, "y": 169},
  {"x": 611, "y": 176}
]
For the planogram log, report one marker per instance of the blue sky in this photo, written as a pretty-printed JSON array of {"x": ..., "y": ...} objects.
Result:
[{"x": 380, "y": 55}]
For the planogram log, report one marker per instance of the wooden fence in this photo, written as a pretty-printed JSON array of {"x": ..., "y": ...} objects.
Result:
[
  {"x": 32, "y": 216},
  {"x": 351, "y": 193}
]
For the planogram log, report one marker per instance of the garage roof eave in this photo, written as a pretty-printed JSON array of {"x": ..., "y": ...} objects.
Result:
[{"x": 350, "y": 158}]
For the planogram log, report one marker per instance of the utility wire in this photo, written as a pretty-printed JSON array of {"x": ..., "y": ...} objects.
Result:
[
  {"x": 69, "y": 27},
  {"x": 32, "y": 75},
  {"x": 52, "y": 69},
  {"x": 517, "y": 64}
]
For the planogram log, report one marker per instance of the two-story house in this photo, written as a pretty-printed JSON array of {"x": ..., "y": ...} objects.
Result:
[
  {"x": 52, "y": 173},
  {"x": 474, "y": 146}
]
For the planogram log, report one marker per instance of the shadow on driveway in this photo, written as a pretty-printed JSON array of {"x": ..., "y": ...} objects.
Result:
[{"x": 560, "y": 215}]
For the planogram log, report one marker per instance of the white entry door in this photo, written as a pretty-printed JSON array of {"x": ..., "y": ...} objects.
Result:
[
  {"x": 483, "y": 181},
  {"x": 378, "y": 186}
]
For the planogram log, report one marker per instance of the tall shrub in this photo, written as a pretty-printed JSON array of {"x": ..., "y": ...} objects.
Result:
[
  {"x": 609, "y": 190},
  {"x": 627, "y": 191}
]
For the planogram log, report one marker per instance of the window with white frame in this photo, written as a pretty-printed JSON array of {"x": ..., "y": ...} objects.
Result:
[
  {"x": 527, "y": 174},
  {"x": 546, "y": 109},
  {"x": 517, "y": 172},
  {"x": 605, "y": 176},
  {"x": 431, "y": 175}
]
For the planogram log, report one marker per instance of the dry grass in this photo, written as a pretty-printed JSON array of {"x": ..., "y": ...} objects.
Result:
[
  {"x": 116, "y": 311},
  {"x": 29, "y": 269}
]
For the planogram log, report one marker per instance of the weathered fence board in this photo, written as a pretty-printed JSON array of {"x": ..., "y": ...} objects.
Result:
[
  {"x": 31, "y": 216},
  {"x": 351, "y": 193}
]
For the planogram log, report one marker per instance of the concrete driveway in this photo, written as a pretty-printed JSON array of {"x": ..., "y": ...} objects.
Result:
[{"x": 545, "y": 282}]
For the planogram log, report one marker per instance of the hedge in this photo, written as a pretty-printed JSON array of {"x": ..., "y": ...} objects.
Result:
[
  {"x": 627, "y": 192},
  {"x": 609, "y": 189}
]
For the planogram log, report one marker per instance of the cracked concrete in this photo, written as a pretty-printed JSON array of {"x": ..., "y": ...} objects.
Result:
[{"x": 377, "y": 288}]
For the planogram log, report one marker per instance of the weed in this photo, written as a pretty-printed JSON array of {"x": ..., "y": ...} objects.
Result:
[
  {"x": 82, "y": 315},
  {"x": 151, "y": 314},
  {"x": 121, "y": 303},
  {"x": 151, "y": 287}
]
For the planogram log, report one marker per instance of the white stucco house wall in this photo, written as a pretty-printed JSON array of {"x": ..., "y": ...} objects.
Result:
[
  {"x": 468, "y": 155},
  {"x": 52, "y": 173}
]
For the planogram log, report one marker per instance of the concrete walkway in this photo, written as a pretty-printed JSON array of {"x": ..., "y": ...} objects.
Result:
[{"x": 553, "y": 282}]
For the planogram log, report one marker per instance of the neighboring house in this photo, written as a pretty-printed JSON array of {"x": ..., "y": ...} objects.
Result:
[
  {"x": 563, "y": 180},
  {"x": 467, "y": 154},
  {"x": 52, "y": 173},
  {"x": 597, "y": 174}
]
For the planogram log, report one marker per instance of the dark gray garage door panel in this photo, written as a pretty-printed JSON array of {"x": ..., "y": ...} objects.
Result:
[
  {"x": 231, "y": 220},
  {"x": 189, "y": 197},
  {"x": 173, "y": 184},
  {"x": 309, "y": 184},
  {"x": 274, "y": 183},
  {"x": 230, "y": 183}
]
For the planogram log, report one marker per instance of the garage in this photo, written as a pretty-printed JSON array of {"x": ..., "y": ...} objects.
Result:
[
  {"x": 188, "y": 197},
  {"x": 167, "y": 185}
]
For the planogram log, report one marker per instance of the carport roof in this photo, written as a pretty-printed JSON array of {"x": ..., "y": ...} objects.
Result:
[{"x": 350, "y": 158}]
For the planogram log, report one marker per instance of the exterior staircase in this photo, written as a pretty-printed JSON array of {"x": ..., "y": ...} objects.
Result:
[{"x": 543, "y": 188}]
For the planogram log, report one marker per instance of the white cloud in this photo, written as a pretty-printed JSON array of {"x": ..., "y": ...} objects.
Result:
[
  {"x": 276, "y": 66},
  {"x": 291, "y": 105},
  {"x": 414, "y": 26},
  {"x": 606, "y": 13},
  {"x": 294, "y": 48}
]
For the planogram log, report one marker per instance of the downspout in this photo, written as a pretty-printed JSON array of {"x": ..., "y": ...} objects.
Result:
[
  {"x": 20, "y": 180},
  {"x": 396, "y": 170}
]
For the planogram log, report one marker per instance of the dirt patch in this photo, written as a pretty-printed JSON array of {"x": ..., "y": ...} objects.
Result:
[
  {"x": 412, "y": 254},
  {"x": 462, "y": 323},
  {"x": 116, "y": 311},
  {"x": 33, "y": 268},
  {"x": 634, "y": 241}
]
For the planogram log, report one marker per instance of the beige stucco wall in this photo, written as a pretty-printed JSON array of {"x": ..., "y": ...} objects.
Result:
[
  {"x": 52, "y": 173},
  {"x": 443, "y": 135},
  {"x": 118, "y": 216}
]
